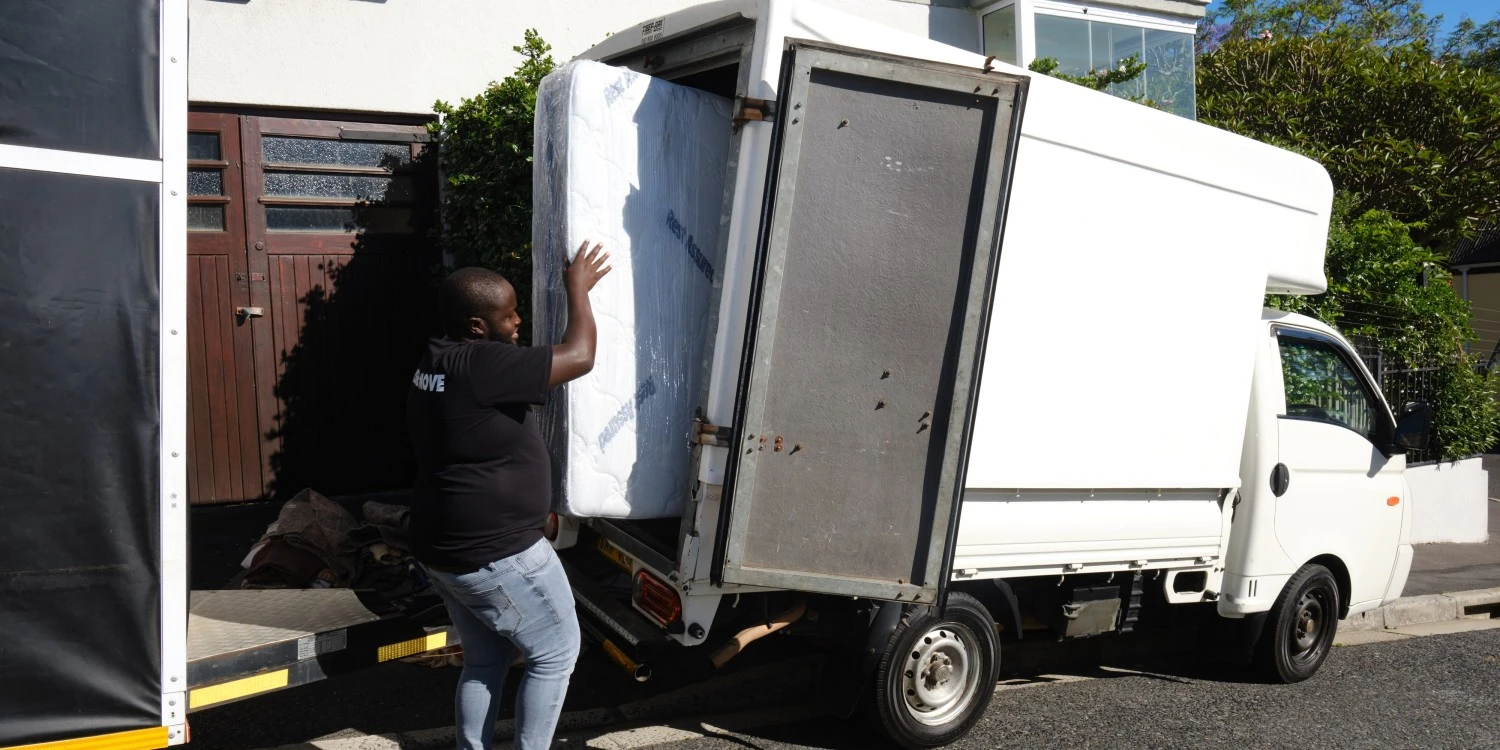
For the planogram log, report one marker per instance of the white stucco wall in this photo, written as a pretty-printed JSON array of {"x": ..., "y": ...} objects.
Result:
[
  {"x": 402, "y": 55},
  {"x": 1449, "y": 502}
]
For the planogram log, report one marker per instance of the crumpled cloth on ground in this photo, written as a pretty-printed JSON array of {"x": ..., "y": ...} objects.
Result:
[
  {"x": 319, "y": 529},
  {"x": 385, "y": 535}
]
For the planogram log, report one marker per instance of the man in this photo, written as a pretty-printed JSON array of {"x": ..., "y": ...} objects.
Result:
[{"x": 484, "y": 491}]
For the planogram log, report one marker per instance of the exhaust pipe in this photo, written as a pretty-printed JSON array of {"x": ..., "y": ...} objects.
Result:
[{"x": 637, "y": 672}]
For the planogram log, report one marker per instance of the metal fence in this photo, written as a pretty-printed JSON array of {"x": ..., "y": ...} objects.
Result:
[{"x": 1401, "y": 384}]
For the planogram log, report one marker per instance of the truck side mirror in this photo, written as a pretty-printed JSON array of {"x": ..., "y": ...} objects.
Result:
[{"x": 1414, "y": 428}]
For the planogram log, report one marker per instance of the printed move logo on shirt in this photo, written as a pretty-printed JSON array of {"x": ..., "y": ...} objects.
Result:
[{"x": 428, "y": 381}]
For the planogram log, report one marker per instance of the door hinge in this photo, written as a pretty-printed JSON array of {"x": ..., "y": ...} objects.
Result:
[
  {"x": 708, "y": 434},
  {"x": 748, "y": 109}
]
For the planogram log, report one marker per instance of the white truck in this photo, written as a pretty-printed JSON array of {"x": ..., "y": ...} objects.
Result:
[{"x": 987, "y": 358}]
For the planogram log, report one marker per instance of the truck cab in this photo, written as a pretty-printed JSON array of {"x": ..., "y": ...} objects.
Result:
[{"x": 1322, "y": 477}]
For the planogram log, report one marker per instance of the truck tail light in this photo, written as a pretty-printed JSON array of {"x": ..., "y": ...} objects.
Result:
[
  {"x": 549, "y": 529},
  {"x": 656, "y": 599}
]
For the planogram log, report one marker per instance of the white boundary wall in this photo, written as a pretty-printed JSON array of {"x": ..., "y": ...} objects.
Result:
[{"x": 1449, "y": 502}]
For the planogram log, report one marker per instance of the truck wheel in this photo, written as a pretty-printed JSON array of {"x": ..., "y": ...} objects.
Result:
[
  {"x": 938, "y": 673},
  {"x": 1301, "y": 626}
]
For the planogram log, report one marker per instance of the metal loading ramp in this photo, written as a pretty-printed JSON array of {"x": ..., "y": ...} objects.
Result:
[{"x": 247, "y": 642}]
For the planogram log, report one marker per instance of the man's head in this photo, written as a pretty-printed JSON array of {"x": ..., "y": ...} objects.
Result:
[{"x": 476, "y": 303}]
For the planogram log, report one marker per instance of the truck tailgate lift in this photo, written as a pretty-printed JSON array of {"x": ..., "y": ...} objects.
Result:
[{"x": 243, "y": 643}]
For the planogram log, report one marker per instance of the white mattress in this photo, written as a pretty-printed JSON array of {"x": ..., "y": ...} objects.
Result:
[{"x": 638, "y": 164}]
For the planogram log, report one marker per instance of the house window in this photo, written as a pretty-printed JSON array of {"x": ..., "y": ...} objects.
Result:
[
  {"x": 1000, "y": 37},
  {"x": 1085, "y": 40}
]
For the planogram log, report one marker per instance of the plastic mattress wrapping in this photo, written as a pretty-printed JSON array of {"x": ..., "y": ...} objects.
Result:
[{"x": 638, "y": 164}]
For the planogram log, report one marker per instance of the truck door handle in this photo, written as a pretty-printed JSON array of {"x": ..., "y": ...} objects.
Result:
[
  {"x": 246, "y": 313},
  {"x": 1280, "y": 478}
]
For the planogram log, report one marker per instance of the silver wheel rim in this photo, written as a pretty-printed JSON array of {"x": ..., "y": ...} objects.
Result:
[{"x": 940, "y": 677}]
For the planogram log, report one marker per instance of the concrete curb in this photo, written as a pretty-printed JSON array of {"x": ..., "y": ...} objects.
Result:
[{"x": 1418, "y": 610}]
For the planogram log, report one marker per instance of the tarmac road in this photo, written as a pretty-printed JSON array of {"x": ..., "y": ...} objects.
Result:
[
  {"x": 1436, "y": 692},
  {"x": 1433, "y": 692}
]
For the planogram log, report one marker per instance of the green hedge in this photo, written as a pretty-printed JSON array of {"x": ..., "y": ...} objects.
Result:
[{"x": 485, "y": 152}]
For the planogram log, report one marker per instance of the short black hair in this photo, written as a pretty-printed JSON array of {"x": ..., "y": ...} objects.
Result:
[{"x": 469, "y": 293}]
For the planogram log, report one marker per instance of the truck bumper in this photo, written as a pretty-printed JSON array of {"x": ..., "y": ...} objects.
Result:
[{"x": 1244, "y": 595}]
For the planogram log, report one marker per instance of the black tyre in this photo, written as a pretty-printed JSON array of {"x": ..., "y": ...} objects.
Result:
[
  {"x": 937, "y": 674},
  {"x": 1300, "y": 628}
]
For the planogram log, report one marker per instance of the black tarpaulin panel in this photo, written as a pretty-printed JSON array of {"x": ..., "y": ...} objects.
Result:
[
  {"x": 80, "y": 76},
  {"x": 79, "y": 430}
]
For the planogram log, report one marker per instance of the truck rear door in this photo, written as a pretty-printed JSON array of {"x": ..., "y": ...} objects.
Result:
[{"x": 880, "y": 237}]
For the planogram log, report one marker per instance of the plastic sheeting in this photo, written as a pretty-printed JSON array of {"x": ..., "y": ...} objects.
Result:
[
  {"x": 80, "y": 76},
  {"x": 638, "y": 164},
  {"x": 79, "y": 430}
]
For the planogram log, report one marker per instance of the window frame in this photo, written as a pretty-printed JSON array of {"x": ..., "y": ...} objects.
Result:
[
  {"x": 1140, "y": 18},
  {"x": 1027, "y": 10},
  {"x": 1385, "y": 422},
  {"x": 1019, "y": 9}
]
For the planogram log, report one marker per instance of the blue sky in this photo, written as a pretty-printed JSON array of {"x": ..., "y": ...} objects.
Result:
[{"x": 1453, "y": 10}]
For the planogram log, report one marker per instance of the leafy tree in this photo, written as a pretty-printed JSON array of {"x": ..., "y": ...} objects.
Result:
[
  {"x": 1464, "y": 416},
  {"x": 1474, "y": 45},
  {"x": 1380, "y": 22},
  {"x": 1383, "y": 285},
  {"x": 485, "y": 146},
  {"x": 1406, "y": 132}
]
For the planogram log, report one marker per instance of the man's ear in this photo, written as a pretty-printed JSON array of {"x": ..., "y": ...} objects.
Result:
[{"x": 478, "y": 327}]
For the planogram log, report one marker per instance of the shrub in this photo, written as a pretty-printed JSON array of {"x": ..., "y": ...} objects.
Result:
[{"x": 485, "y": 152}]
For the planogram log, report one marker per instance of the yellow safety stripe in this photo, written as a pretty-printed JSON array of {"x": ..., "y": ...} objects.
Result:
[
  {"x": 138, "y": 739},
  {"x": 228, "y": 691},
  {"x": 414, "y": 646}
]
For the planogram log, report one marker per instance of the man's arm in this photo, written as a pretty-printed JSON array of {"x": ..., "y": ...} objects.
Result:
[{"x": 574, "y": 357}]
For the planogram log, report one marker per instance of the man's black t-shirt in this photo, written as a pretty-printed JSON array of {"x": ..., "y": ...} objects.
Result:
[{"x": 484, "y": 482}]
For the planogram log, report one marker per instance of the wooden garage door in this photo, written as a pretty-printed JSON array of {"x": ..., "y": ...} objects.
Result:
[{"x": 310, "y": 253}]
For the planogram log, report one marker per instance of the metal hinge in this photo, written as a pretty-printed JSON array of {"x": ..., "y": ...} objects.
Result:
[
  {"x": 708, "y": 434},
  {"x": 748, "y": 108}
]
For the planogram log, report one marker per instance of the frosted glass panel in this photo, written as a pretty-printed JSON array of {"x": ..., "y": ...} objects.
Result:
[
  {"x": 338, "y": 219},
  {"x": 205, "y": 218},
  {"x": 205, "y": 182},
  {"x": 360, "y": 187},
  {"x": 286, "y": 150}
]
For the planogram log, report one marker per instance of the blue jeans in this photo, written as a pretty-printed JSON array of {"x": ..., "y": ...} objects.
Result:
[{"x": 522, "y": 602}]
